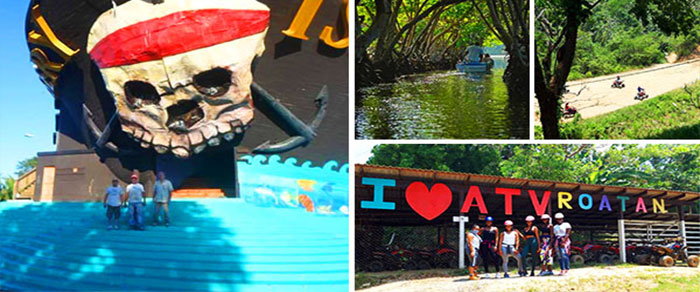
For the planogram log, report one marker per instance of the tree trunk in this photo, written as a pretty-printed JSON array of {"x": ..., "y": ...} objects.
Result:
[
  {"x": 548, "y": 104},
  {"x": 517, "y": 77}
]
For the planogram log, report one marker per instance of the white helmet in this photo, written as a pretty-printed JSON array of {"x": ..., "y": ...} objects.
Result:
[
  {"x": 558, "y": 216},
  {"x": 529, "y": 218},
  {"x": 508, "y": 223},
  {"x": 546, "y": 216}
]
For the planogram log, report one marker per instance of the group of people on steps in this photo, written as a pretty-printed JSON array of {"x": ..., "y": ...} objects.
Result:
[{"x": 536, "y": 240}]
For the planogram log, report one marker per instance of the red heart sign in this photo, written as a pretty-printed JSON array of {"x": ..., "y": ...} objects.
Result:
[{"x": 428, "y": 204}]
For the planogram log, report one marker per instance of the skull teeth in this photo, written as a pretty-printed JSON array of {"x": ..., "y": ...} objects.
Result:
[
  {"x": 161, "y": 149},
  {"x": 199, "y": 148},
  {"x": 214, "y": 142}
]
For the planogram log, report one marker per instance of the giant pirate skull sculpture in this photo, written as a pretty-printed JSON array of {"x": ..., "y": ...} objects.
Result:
[{"x": 180, "y": 71}]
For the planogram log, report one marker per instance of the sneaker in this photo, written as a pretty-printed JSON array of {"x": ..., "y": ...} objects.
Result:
[
  {"x": 497, "y": 276},
  {"x": 116, "y": 226},
  {"x": 109, "y": 227},
  {"x": 532, "y": 273},
  {"x": 167, "y": 224},
  {"x": 541, "y": 273},
  {"x": 561, "y": 273},
  {"x": 506, "y": 275},
  {"x": 155, "y": 223},
  {"x": 550, "y": 273}
]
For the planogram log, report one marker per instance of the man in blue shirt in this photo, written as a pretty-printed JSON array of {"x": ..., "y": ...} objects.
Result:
[{"x": 162, "y": 194}]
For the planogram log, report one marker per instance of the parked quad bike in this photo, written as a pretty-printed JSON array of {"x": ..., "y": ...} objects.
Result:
[
  {"x": 668, "y": 253},
  {"x": 616, "y": 84},
  {"x": 391, "y": 257},
  {"x": 600, "y": 253}
]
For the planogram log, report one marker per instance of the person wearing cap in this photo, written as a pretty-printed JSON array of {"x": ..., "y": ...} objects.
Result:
[
  {"x": 473, "y": 243},
  {"x": 562, "y": 232},
  {"x": 489, "y": 248},
  {"x": 113, "y": 200},
  {"x": 546, "y": 246},
  {"x": 508, "y": 247},
  {"x": 530, "y": 246},
  {"x": 136, "y": 196},
  {"x": 162, "y": 194}
]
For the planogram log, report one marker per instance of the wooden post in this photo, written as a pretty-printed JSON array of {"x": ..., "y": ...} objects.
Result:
[
  {"x": 681, "y": 227},
  {"x": 621, "y": 236},
  {"x": 461, "y": 220}
]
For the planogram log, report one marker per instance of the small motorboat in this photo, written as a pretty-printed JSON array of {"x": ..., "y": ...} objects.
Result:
[{"x": 474, "y": 67}]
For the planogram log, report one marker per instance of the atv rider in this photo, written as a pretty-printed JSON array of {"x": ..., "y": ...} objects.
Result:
[
  {"x": 640, "y": 91},
  {"x": 569, "y": 109},
  {"x": 546, "y": 245},
  {"x": 618, "y": 81},
  {"x": 489, "y": 249},
  {"x": 531, "y": 244}
]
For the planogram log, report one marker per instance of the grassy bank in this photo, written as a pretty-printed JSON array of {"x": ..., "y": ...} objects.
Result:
[{"x": 668, "y": 116}]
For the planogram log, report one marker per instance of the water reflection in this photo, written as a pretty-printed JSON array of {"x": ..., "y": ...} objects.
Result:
[{"x": 441, "y": 105}]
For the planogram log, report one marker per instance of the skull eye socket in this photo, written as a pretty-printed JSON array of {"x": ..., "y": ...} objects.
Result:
[
  {"x": 214, "y": 82},
  {"x": 140, "y": 93}
]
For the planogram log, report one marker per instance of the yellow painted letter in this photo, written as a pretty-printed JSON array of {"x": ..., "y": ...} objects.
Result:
[
  {"x": 661, "y": 205},
  {"x": 326, "y": 34},
  {"x": 564, "y": 199},
  {"x": 302, "y": 19}
]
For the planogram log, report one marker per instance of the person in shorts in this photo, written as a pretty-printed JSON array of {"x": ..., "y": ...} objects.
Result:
[
  {"x": 113, "y": 201},
  {"x": 473, "y": 241},
  {"x": 136, "y": 195},
  {"x": 162, "y": 194}
]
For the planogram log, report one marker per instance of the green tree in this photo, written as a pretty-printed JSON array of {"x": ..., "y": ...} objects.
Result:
[
  {"x": 26, "y": 165},
  {"x": 482, "y": 159},
  {"x": 7, "y": 185}
]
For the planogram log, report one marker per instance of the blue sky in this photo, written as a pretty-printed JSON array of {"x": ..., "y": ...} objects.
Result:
[{"x": 26, "y": 106}]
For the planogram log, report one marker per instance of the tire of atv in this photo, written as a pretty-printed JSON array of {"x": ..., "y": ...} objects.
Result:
[
  {"x": 424, "y": 265},
  {"x": 410, "y": 265},
  {"x": 605, "y": 259},
  {"x": 693, "y": 261},
  {"x": 616, "y": 258},
  {"x": 667, "y": 261},
  {"x": 375, "y": 266},
  {"x": 642, "y": 259},
  {"x": 578, "y": 259}
]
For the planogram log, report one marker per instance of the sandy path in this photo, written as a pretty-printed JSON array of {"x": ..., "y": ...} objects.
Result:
[
  {"x": 597, "y": 97},
  {"x": 637, "y": 278}
]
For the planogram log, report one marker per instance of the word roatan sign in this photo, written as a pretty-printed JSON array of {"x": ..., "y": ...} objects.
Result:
[{"x": 432, "y": 202}]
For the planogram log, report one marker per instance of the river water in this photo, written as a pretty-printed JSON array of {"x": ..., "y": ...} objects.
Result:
[{"x": 441, "y": 105}]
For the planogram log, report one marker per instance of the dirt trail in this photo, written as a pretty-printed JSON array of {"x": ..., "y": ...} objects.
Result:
[
  {"x": 597, "y": 97},
  {"x": 637, "y": 278}
]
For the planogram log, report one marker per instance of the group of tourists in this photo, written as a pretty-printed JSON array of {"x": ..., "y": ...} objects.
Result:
[
  {"x": 135, "y": 198},
  {"x": 535, "y": 240}
]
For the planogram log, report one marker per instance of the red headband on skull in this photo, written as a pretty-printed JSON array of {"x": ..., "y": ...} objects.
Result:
[{"x": 186, "y": 31}]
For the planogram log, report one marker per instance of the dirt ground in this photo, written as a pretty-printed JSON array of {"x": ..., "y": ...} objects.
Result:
[
  {"x": 597, "y": 97},
  {"x": 612, "y": 278}
]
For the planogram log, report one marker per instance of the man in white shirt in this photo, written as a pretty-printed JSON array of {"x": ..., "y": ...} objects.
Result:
[
  {"x": 114, "y": 197},
  {"x": 162, "y": 194},
  {"x": 136, "y": 195}
]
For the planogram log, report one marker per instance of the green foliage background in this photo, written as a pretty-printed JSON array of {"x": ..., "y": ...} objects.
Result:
[{"x": 614, "y": 40}]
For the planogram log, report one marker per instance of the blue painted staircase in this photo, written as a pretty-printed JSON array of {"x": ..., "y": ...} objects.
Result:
[{"x": 211, "y": 245}]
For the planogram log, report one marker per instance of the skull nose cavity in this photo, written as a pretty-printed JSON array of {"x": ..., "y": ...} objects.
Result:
[
  {"x": 214, "y": 82},
  {"x": 139, "y": 93},
  {"x": 183, "y": 115}
]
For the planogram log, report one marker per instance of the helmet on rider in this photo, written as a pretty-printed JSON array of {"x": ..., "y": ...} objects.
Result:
[
  {"x": 489, "y": 218},
  {"x": 558, "y": 216},
  {"x": 545, "y": 216},
  {"x": 529, "y": 218},
  {"x": 508, "y": 223}
]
